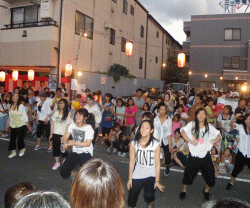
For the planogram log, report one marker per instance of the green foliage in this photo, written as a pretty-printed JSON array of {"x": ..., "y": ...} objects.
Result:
[
  {"x": 117, "y": 72},
  {"x": 174, "y": 74}
]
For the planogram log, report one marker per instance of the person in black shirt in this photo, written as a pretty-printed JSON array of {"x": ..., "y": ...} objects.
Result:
[{"x": 241, "y": 109}]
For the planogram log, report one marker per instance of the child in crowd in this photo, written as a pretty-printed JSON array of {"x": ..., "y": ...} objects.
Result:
[
  {"x": 226, "y": 163},
  {"x": 3, "y": 114},
  {"x": 113, "y": 138},
  {"x": 176, "y": 123},
  {"x": 176, "y": 142},
  {"x": 149, "y": 101},
  {"x": 123, "y": 145},
  {"x": 183, "y": 102},
  {"x": 76, "y": 104},
  {"x": 134, "y": 130},
  {"x": 184, "y": 116},
  {"x": 181, "y": 155},
  {"x": 215, "y": 159}
]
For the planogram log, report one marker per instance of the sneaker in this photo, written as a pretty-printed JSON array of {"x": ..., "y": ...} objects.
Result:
[
  {"x": 4, "y": 135},
  {"x": 124, "y": 154},
  {"x": 22, "y": 151},
  {"x": 50, "y": 149},
  {"x": 13, "y": 154},
  {"x": 182, "y": 195},
  {"x": 167, "y": 170},
  {"x": 38, "y": 147},
  {"x": 206, "y": 194},
  {"x": 109, "y": 150},
  {"x": 63, "y": 161},
  {"x": 56, "y": 166},
  {"x": 229, "y": 186},
  {"x": 114, "y": 150},
  {"x": 119, "y": 154}
]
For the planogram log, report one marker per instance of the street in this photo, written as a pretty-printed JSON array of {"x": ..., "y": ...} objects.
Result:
[{"x": 36, "y": 167}]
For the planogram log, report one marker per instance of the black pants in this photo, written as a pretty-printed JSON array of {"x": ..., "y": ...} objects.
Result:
[
  {"x": 107, "y": 142},
  {"x": 56, "y": 141},
  {"x": 41, "y": 128},
  {"x": 105, "y": 131},
  {"x": 240, "y": 162},
  {"x": 196, "y": 164},
  {"x": 167, "y": 154},
  {"x": 72, "y": 161},
  {"x": 95, "y": 136},
  {"x": 137, "y": 185},
  {"x": 17, "y": 133}
]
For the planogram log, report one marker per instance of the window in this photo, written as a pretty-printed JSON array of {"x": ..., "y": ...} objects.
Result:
[
  {"x": 112, "y": 36},
  {"x": 24, "y": 15},
  {"x": 125, "y": 6},
  {"x": 123, "y": 48},
  {"x": 132, "y": 10},
  {"x": 140, "y": 63},
  {"x": 114, "y": 1},
  {"x": 231, "y": 62},
  {"x": 156, "y": 59},
  {"x": 84, "y": 24},
  {"x": 233, "y": 34},
  {"x": 157, "y": 34},
  {"x": 142, "y": 31},
  {"x": 207, "y": 85}
]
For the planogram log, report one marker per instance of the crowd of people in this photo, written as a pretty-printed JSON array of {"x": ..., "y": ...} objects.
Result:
[{"x": 190, "y": 129}]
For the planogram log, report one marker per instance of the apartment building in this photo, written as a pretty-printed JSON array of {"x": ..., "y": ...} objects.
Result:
[
  {"x": 217, "y": 49},
  {"x": 91, "y": 35}
]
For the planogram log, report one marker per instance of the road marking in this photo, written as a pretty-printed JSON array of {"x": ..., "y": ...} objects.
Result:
[{"x": 162, "y": 168}]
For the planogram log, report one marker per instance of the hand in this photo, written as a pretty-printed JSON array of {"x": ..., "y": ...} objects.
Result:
[
  {"x": 193, "y": 143},
  {"x": 213, "y": 141},
  {"x": 7, "y": 128},
  {"x": 29, "y": 127},
  {"x": 129, "y": 184},
  {"x": 238, "y": 140},
  {"x": 46, "y": 121},
  {"x": 237, "y": 115},
  {"x": 71, "y": 143},
  {"x": 50, "y": 137},
  {"x": 170, "y": 148},
  {"x": 159, "y": 186}
]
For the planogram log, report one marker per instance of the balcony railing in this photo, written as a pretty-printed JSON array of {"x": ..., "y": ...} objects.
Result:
[{"x": 30, "y": 24}]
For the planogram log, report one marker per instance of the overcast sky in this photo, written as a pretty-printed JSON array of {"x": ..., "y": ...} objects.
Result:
[{"x": 171, "y": 13}]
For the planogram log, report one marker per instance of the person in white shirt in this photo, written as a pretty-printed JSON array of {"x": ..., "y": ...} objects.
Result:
[
  {"x": 82, "y": 133},
  {"x": 144, "y": 165},
  {"x": 201, "y": 136},
  {"x": 92, "y": 107},
  {"x": 163, "y": 133},
  {"x": 59, "y": 125},
  {"x": 43, "y": 113},
  {"x": 243, "y": 155}
]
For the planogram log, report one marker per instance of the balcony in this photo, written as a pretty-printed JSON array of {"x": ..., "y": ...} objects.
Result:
[
  {"x": 30, "y": 24},
  {"x": 187, "y": 26}
]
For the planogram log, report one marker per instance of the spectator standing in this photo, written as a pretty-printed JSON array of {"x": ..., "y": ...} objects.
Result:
[
  {"x": 198, "y": 104},
  {"x": 169, "y": 104},
  {"x": 130, "y": 116},
  {"x": 242, "y": 110},
  {"x": 119, "y": 112},
  {"x": 139, "y": 102},
  {"x": 41, "y": 88}
]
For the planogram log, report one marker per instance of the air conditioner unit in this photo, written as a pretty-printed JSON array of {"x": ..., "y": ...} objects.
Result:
[
  {"x": 107, "y": 25},
  {"x": 46, "y": 9}
]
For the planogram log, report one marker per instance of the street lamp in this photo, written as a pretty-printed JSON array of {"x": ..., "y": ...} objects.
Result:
[
  {"x": 164, "y": 65},
  {"x": 190, "y": 73},
  {"x": 205, "y": 75}
]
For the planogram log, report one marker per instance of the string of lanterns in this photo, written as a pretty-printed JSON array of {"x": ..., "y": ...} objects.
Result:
[{"x": 15, "y": 74}]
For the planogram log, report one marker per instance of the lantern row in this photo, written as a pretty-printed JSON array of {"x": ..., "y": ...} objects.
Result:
[{"x": 15, "y": 73}]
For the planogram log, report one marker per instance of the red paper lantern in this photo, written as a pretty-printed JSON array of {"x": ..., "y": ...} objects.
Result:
[
  {"x": 129, "y": 48},
  {"x": 15, "y": 75},
  {"x": 31, "y": 75},
  {"x": 181, "y": 60},
  {"x": 2, "y": 76},
  {"x": 68, "y": 69}
]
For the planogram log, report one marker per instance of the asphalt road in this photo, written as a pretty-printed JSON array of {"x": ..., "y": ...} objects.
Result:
[{"x": 35, "y": 167}]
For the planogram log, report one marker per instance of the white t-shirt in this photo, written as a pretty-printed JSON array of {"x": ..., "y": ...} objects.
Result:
[
  {"x": 204, "y": 144},
  {"x": 244, "y": 144},
  {"x": 82, "y": 134},
  {"x": 162, "y": 131},
  {"x": 145, "y": 160},
  {"x": 59, "y": 124},
  {"x": 225, "y": 122}
]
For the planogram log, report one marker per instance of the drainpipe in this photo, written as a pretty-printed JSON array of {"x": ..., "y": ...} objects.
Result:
[
  {"x": 146, "y": 50},
  {"x": 162, "y": 54},
  {"x": 59, "y": 47}
]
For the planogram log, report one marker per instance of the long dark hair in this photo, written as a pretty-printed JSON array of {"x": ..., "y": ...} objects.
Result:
[
  {"x": 196, "y": 129},
  {"x": 18, "y": 101},
  {"x": 65, "y": 109},
  {"x": 138, "y": 134},
  {"x": 90, "y": 116},
  {"x": 244, "y": 124}
]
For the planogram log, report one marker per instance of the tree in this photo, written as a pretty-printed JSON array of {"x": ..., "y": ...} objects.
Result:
[{"x": 174, "y": 74}]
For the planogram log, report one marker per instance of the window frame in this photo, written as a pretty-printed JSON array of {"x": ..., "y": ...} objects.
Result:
[
  {"x": 84, "y": 29},
  {"x": 115, "y": 1},
  {"x": 142, "y": 31},
  {"x": 157, "y": 34},
  {"x": 207, "y": 82},
  {"x": 132, "y": 9},
  {"x": 140, "y": 62},
  {"x": 156, "y": 59},
  {"x": 232, "y": 29},
  {"x": 125, "y": 7},
  {"x": 112, "y": 37},
  {"x": 123, "y": 44},
  {"x": 231, "y": 62}
]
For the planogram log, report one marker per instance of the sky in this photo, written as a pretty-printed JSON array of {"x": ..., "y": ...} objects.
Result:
[{"x": 171, "y": 13}]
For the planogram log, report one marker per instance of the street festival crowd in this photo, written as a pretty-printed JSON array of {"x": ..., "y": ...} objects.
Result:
[{"x": 193, "y": 130}]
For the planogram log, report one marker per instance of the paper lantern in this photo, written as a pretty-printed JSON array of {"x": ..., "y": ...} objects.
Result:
[
  {"x": 15, "y": 75},
  {"x": 181, "y": 60},
  {"x": 2, "y": 76},
  {"x": 129, "y": 48},
  {"x": 31, "y": 75},
  {"x": 68, "y": 69}
]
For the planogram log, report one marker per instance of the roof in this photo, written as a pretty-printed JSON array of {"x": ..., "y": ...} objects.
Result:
[{"x": 141, "y": 6}]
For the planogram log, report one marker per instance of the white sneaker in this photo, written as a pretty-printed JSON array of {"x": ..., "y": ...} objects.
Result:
[
  {"x": 119, "y": 154},
  {"x": 123, "y": 154},
  {"x": 114, "y": 150},
  {"x": 22, "y": 151},
  {"x": 13, "y": 154},
  {"x": 56, "y": 166}
]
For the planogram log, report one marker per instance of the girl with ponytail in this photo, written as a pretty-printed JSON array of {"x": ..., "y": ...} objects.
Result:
[{"x": 82, "y": 134}]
